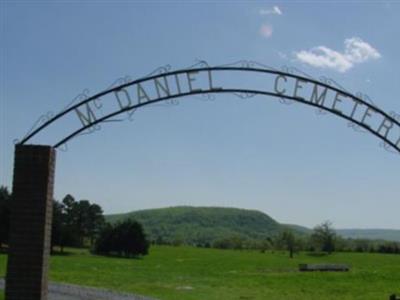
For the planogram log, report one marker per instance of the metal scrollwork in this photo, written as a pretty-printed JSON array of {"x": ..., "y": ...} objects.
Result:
[
  {"x": 239, "y": 63},
  {"x": 80, "y": 97},
  {"x": 388, "y": 148},
  {"x": 131, "y": 115},
  {"x": 286, "y": 101},
  {"x": 120, "y": 81},
  {"x": 331, "y": 82},
  {"x": 160, "y": 70},
  {"x": 385, "y": 145},
  {"x": 295, "y": 71},
  {"x": 167, "y": 103},
  {"x": 262, "y": 66},
  {"x": 394, "y": 115},
  {"x": 172, "y": 101},
  {"x": 64, "y": 147},
  {"x": 248, "y": 64},
  {"x": 91, "y": 129},
  {"x": 285, "y": 69},
  {"x": 244, "y": 95},
  {"x": 206, "y": 97},
  {"x": 320, "y": 112},
  {"x": 40, "y": 121},
  {"x": 366, "y": 98},
  {"x": 356, "y": 127},
  {"x": 200, "y": 63},
  {"x": 353, "y": 125}
]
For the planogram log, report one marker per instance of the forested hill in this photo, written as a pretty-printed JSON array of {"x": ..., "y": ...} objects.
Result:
[{"x": 201, "y": 225}]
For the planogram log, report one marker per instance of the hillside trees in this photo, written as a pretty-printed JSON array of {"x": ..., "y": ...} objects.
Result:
[
  {"x": 126, "y": 239},
  {"x": 203, "y": 226},
  {"x": 231, "y": 242}
]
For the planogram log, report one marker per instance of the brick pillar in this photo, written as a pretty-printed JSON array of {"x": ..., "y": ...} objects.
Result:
[{"x": 30, "y": 228}]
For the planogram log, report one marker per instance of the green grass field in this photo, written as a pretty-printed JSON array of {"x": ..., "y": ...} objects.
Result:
[{"x": 190, "y": 273}]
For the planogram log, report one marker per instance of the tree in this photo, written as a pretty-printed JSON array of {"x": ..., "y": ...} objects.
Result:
[
  {"x": 264, "y": 244},
  {"x": 94, "y": 222},
  {"x": 76, "y": 222},
  {"x": 104, "y": 243},
  {"x": 69, "y": 213},
  {"x": 5, "y": 198},
  {"x": 287, "y": 240},
  {"x": 68, "y": 203},
  {"x": 80, "y": 216},
  {"x": 324, "y": 237},
  {"x": 126, "y": 238},
  {"x": 87, "y": 220},
  {"x": 58, "y": 225}
]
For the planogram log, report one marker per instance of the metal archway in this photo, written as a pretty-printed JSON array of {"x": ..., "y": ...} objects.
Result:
[
  {"x": 34, "y": 165},
  {"x": 200, "y": 80}
]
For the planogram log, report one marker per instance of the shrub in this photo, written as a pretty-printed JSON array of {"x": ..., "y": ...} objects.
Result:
[{"x": 126, "y": 239}]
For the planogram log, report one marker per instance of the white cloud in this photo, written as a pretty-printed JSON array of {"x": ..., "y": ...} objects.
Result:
[
  {"x": 323, "y": 57},
  {"x": 272, "y": 11},
  {"x": 266, "y": 30},
  {"x": 356, "y": 51},
  {"x": 360, "y": 51}
]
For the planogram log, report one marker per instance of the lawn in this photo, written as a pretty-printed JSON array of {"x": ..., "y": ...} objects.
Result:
[{"x": 174, "y": 273}]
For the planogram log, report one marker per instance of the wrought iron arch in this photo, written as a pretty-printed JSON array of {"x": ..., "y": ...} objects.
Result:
[{"x": 389, "y": 122}]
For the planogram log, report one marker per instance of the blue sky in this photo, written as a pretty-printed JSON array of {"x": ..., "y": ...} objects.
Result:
[{"x": 295, "y": 165}]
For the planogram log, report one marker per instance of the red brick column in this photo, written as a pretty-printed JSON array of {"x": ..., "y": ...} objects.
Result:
[{"x": 30, "y": 228}]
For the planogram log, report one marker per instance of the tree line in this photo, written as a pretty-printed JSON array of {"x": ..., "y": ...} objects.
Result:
[
  {"x": 323, "y": 239},
  {"x": 82, "y": 224}
]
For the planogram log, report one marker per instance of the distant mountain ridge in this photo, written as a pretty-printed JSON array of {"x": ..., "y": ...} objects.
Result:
[
  {"x": 356, "y": 233},
  {"x": 202, "y": 225},
  {"x": 373, "y": 234}
]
